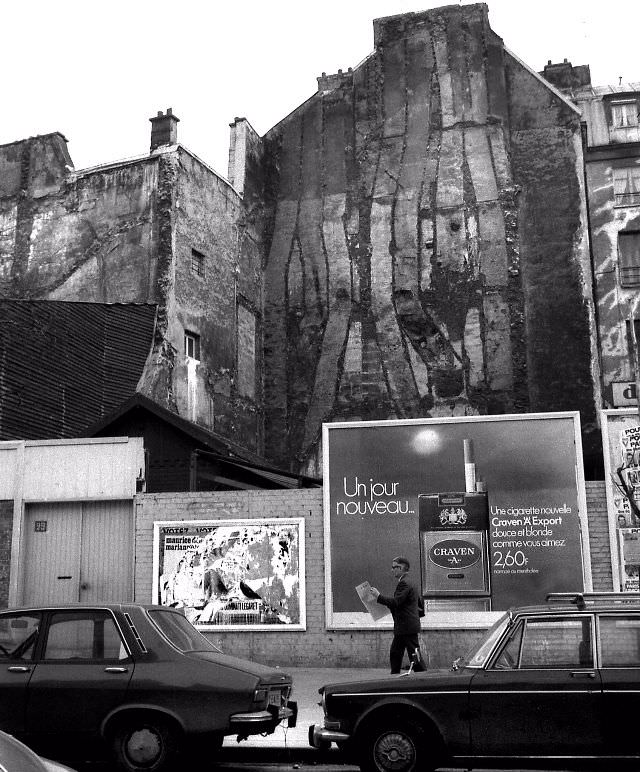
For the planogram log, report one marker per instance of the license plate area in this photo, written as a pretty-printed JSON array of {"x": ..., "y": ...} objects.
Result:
[{"x": 275, "y": 698}]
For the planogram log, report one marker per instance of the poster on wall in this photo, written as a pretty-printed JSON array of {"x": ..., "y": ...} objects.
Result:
[
  {"x": 490, "y": 512},
  {"x": 621, "y": 446},
  {"x": 240, "y": 574}
]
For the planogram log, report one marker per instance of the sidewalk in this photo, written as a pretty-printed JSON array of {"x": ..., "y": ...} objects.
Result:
[{"x": 286, "y": 743}]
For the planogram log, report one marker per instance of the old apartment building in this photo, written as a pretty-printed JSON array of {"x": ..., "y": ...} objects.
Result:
[{"x": 411, "y": 241}]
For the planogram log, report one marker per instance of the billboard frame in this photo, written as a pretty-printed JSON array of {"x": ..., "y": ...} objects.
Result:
[
  {"x": 451, "y": 619},
  {"x": 295, "y": 522}
]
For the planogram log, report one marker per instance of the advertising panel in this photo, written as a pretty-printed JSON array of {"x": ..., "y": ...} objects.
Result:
[
  {"x": 621, "y": 446},
  {"x": 490, "y": 511},
  {"x": 241, "y": 574}
]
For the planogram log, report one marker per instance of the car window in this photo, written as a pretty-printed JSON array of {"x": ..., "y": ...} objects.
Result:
[
  {"x": 86, "y": 635},
  {"x": 509, "y": 656},
  {"x": 479, "y": 654},
  {"x": 18, "y": 633},
  {"x": 557, "y": 643},
  {"x": 180, "y": 632},
  {"x": 620, "y": 641}
]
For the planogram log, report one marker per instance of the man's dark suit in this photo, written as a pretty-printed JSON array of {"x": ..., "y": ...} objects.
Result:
[{"x": 406, "y": 608}]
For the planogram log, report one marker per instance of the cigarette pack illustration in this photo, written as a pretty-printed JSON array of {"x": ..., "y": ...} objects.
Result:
[{"x": 454, "y": 538}]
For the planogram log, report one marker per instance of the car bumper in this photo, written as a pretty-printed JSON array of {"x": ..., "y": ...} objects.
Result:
[
  {"x": 319, "y": 736},
  {"x": 259, "y": 721}
]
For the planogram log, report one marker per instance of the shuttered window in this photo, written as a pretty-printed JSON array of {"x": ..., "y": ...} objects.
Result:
[
  {"x": 626, "y": 186},
  {"x": 629, "y": 258}
]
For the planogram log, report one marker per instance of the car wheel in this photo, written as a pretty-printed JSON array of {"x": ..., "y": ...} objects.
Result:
[
  {"x": 394, "y": 747},
  {"x": 145, "y": 744}
]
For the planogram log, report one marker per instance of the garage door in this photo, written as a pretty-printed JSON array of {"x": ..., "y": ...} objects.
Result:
[{"x": 78, "y": 551}]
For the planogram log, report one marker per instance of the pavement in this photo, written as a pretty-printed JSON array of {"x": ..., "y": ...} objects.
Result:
[{"x": 288, "y": 744}]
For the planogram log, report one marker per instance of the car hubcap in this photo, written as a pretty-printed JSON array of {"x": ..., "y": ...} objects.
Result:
[
  {"x": 143, "y": 746},
  {"x": 394, "y": 751}
]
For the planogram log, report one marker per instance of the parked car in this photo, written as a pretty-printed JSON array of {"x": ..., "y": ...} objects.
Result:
[
  {"x": 552, "y": 684},
  {"x": 139, "y": 679},
  {"x": 16, "y": 757}
]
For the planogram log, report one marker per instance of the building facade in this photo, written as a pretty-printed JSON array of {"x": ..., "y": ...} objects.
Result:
[
  {"x": 409, "y": 242},
  {"x": 163, "y": 229},
  {"x": 429, "y": 247}
]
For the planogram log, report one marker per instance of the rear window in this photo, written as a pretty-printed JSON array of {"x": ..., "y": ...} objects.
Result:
[{"x": 180, "y": 632}]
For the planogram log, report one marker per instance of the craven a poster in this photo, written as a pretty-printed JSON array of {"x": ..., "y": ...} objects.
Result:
[{"x": 490, "y": 511}]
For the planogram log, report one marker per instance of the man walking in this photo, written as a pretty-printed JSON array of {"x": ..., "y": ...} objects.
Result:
[{"x": 406, "y": 608}]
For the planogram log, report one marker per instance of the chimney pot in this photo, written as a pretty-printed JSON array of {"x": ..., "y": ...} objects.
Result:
[{"x": 164, "y": 129}]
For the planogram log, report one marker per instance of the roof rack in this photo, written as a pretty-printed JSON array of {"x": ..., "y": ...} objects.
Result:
[{"x": 580, "y": 599}]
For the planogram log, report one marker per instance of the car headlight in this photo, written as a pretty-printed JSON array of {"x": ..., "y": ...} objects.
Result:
[{"x": 260, "y": 695}]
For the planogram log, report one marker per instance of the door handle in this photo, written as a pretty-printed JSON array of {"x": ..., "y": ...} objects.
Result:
[
  {"x": 116, "y": 670},
  {"x": 583, "y": 674},
  {"x": 19, "y": 669}
]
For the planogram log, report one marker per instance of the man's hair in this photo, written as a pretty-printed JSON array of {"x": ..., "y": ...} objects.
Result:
[{"x": 402, "y": 561}]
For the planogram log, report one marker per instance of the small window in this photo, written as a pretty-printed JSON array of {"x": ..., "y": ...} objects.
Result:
[
  {"x": 191, "y": 345},
  {"x": 624, "y": 114},
  {"x": 629, "y": 258},
  {"x": 626, "y": 186},
  {"x": 197, "y": 262}
]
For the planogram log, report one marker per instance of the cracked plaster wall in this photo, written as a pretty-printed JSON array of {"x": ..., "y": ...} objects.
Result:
[
  {"x": 123, "y": 234},
  {"x": 426, "y": 257}
]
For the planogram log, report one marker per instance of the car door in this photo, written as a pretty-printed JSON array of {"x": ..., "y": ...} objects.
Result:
[
  {"x": 83, "y": 672},
  {"x": 18, "y": 634},
  {"x": 539, "y": 695},
  {"x": 619, "y": 652}
]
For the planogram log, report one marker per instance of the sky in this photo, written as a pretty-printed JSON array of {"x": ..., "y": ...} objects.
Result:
[{"x": 96, "y": 72}]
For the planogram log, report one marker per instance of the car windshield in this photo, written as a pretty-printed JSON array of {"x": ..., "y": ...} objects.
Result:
[
  {"x": 477, "y": 656},
  {"x": 180, "y": 632}
]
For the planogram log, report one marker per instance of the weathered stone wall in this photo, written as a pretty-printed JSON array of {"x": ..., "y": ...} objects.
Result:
[
  {"x": 209, "y": 219},
  {"x": 394, "y": 286},
  {"x": 123, "y": 233},
  {"x": 68, "y": 236}
]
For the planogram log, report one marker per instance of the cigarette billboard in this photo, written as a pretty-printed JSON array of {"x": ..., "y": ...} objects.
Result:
[{"x": 490, "y": 511}]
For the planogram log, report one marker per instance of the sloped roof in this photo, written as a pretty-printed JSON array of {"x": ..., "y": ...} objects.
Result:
[
  {"x": 216, "y": 447},
  {"x": 64, "y": 365}
]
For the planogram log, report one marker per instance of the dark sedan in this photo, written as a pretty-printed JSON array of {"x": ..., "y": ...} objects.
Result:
[
  {"x": 137, "y": 681},
  {"x": 557, "y": 684}
]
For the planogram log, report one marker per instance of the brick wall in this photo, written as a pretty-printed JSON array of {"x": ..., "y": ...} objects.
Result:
[
  {"x": 6, "y": 530},
  {"x": 317, "y": 646},
  {"x": 599, "y": 536}
]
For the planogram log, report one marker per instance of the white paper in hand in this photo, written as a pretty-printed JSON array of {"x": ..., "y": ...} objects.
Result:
[{"x": 377, "y": 610}]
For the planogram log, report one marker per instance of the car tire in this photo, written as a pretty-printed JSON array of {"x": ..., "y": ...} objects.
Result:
[
  {"x": 393, "y": 746},
  {"x": 145, "y": 744}
]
